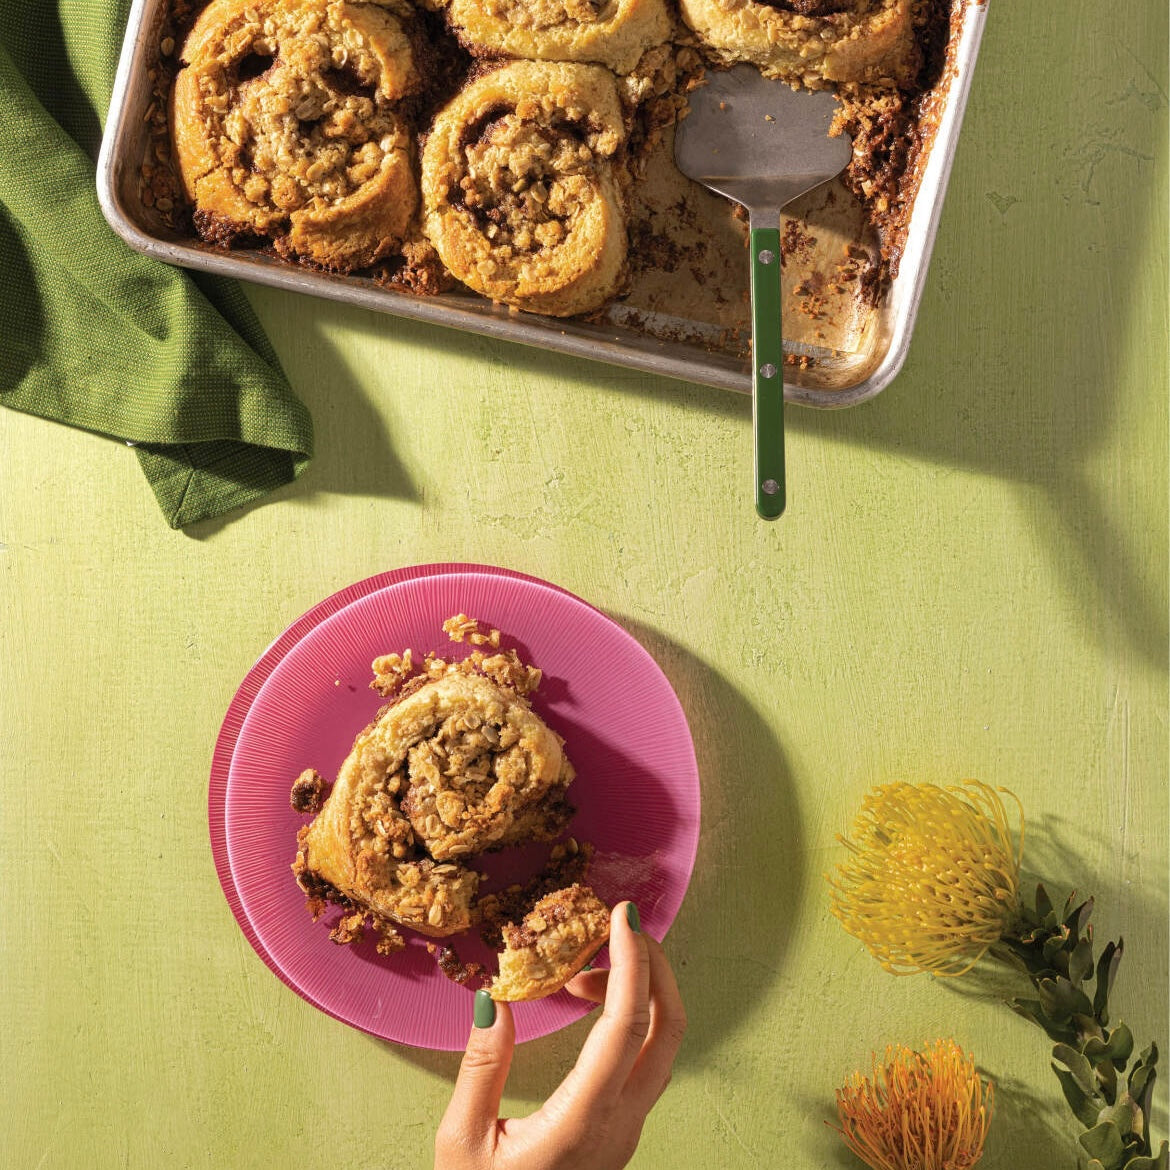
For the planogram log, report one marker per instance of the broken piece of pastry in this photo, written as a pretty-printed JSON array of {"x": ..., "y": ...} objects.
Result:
[
  {"x": 812, "y": 42},
  {"x": 556, "y": 938},
  {"x": 458, "y": 764}
]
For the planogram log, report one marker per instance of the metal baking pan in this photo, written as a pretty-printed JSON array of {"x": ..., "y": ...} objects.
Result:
[{"x": 657, "y": 329}]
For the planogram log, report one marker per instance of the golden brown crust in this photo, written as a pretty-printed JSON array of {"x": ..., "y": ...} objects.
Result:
[
  {"x": 472, "y": 759},
  {"x": 614, "y": 33},
  {"x": 524, "y": 187},
  {"x": 867, "y": 42},
  {"x": 330, "y": 866},
  {"x": 286, "y": 125},
  {"x": 896, "y": 66},
  {"x": 561, "y": 933},
  {"x": 455, "y": 767}
]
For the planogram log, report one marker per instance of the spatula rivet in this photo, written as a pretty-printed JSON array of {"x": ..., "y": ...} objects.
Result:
[
  {"x": 766, "y": 257},
  {"x": 770, "y": 486},
  {"x": 768, "y": 370}
]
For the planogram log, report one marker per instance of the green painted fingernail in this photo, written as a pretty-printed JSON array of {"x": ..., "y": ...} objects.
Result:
[
  {"x": 587, "y": 967},
  {"x": 632, "y": 918},
  {"x": 485, "y": 1009}
]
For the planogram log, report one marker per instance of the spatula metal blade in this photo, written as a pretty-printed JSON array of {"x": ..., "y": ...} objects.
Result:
[{"x": 758, "y": 141}]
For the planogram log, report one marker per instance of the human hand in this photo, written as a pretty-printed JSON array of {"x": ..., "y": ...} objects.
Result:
[{"x": 595, "y": 1116}]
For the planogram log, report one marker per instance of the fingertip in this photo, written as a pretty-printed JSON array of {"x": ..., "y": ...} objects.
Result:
[
  {"x": 484, "y": 1013},
  {"x": 491, "y": 1021},
  {"x": 625, "y": 926},
  {"x": 621, "y": 921},
  {"x": 628, "y": 951}
]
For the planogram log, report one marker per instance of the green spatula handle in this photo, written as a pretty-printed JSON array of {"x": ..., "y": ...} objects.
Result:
[{"x": 767, "y": 372}]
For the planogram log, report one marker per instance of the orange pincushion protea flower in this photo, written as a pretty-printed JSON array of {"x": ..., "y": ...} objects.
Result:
[
  {"x": 934, "y": 879},
  {"x": 921, "y": 1110}
]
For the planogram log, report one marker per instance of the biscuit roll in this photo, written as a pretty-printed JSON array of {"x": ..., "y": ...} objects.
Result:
[
  {"x": 607, "y": 32},
  {"x": 523, "y": 182},
  {"x": 812, "y": 41},
  {"x": 286, "y": 125},
  {"x": 456, "y": 767}
]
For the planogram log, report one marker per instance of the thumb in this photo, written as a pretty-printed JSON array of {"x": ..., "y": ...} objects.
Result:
[{"x": 475, "y": 1104}]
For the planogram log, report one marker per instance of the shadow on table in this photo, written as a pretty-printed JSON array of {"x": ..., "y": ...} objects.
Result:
[
  {"x": 1031, "y": 1118},
  {"x": 1022, "y": 382},
  {"x": 732, "y": 919},
  {"x": 354, "y": 452},
  {"x": 1034, "y": 406}
]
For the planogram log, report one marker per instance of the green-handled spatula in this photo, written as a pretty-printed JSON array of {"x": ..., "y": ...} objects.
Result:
[{"x": 762, "y": 144}]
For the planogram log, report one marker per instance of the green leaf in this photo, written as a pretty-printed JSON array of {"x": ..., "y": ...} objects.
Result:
[
  {"x": 1104, "y": 1143},
  {"x": 1062, "y": 1000},
  {"x": 1085, "y": 1109},
  {"x": 1120, "y": 1045},
  {"x": 1124, "y": 1116},
  {"x": 1107, "y": 1081},
  {"x": 1143, "y": 1162},
  {"x": 1143, "y": 1073},
  {"x": 1043, "y": 902},
  {"x": 1077, "y": 920},
  {"x": 1053, "y": 948},
  {"x": 1086, "y": 1027},
  {"x": 1078, "y": 1065},
  {"x": 1106, "y": 972},
  {"x": 1117, "y": 1047},
  {"x": 1080, "y": 962},
  {"x": 1033, "y": 1009},
  {"x": 1021, "y": 954}
]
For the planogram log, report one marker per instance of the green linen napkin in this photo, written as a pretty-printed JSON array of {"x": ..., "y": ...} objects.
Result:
[{"x": 93, "y": 334}]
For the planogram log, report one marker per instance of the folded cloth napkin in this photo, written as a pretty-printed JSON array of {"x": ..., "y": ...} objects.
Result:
[{"x": 93, "y": 334}]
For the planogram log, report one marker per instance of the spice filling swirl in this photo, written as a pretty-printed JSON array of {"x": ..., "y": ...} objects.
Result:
[
  {"x": 287, "y": 124},
  {"x": 524, "y": 186},
  {"x": 458, "y": 767}
]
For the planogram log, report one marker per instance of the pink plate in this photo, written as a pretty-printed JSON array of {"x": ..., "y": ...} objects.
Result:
[
  {"x": 637, "y": 790},
  {"x": 229, "y": 732}
]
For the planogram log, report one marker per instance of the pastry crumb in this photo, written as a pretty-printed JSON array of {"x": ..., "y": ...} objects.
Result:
[{"x": 308, "y": 792}]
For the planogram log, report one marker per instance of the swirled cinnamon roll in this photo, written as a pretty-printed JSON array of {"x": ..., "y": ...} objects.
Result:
[
  {"x": 286, "y": 125},
  {"x": 458, "y": 766},
  {"x": 524, "y": 187},
  {"x": 812, "y": 41},
  {"x": 607, "y": 32}
]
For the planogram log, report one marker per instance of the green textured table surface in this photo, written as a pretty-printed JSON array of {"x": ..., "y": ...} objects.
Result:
[{"x": 970, "y": 581}]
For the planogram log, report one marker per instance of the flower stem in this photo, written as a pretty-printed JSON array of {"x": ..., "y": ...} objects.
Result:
[{"x": 1054, "y": 948}]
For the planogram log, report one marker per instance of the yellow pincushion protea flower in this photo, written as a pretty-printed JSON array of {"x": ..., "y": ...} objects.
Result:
[
  {"x": 920, "y": 1111},
  {"x": 934, "y": 879}
]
